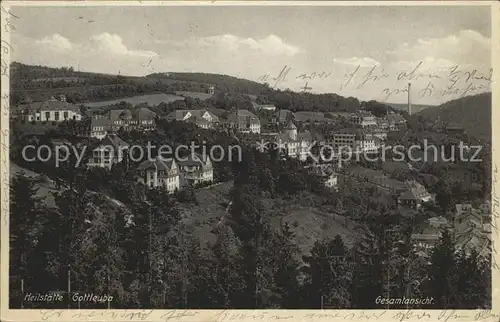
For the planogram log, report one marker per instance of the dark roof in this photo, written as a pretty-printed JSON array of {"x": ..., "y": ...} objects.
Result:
[
  {"x": 101, "y": 121},
  {"x": 364, "y": 113},
  {"x": 415, "y": 191},
  {"x": 243, "y": 117},
  {"x": 50, "y": 105},
  {"x": 114, "y": 140},
  {"x": 180, "y": 114},
  {"x": 157, "y": 163},
  {"x": 290, "y": 126},
  {"x": 284, "y": 114},
  {"x": 142, "y": 113},
  {"x": 194, "y": 159}
]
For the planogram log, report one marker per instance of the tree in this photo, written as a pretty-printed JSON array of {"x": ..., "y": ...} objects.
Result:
[
  {"x": 473, "y": 284},
  {"x": 220, "y": 283},
  {"x": 328, "y": 275},
  {"x": 281, "y": 254},
  {"x": 442, "y": 272},
  {"x": 26, "y": 216},
  {"x": 367, "y": 282}
]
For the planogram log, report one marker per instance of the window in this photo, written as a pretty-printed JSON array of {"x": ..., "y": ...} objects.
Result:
[
  {"x": 47, "y": 115},
  {"x": 56, "y": 116},
  {"x": 65, "y": 115}
]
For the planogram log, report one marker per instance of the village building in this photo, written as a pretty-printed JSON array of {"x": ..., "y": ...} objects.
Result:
[
  {"x": 140, "y": 119},
  {"x": 100, "y": 127},
  {"x": 109, "y": 151},
  {"x": 396, "y": 121},
  {"x": 414, "y": 196},
  {"x": 244, "y": 121},
  {"x": 424, "y": 240},
  {"x": 195, "y": 169},
  {"x": 383, "y": 124},
  {"x": 202, "y": 118},
  {"x": 292, "y": 143},
  {"x": 264, "y": 107},
  {"x": 285, "y": 116},
  {"x": 472, "y": 228},
  {"x": 363, "y": 119},
  {"x": 326, "y": 174},
  {"x": 160, "y": 173},
  {"x": 52, "y": 110},
  {"x": 379, "y": 133},
  {"x": 356, "y": 140}
]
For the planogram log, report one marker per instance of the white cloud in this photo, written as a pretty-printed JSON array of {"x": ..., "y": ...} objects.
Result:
[
  {"x": 113, "y": 44},
  {"x": 100, "y": 53},
  {"x": 355, "y": 61},
  {"x": 468, "y": 48},
  {"x": 252, "y": 58},
  {"x": 56, "y": 42},
  {"x": 271, "y": 45}
]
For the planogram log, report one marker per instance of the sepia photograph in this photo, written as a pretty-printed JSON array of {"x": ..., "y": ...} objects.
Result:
[{"x": 266, "y": 156}]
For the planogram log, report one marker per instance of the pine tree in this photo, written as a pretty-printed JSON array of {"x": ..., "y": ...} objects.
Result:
[
  {"x": 25, "y": 222},
  {"x": 282, "y": 253},
  {"x": 441, "y": 272},
  {"x": 473, "y": 285},
  {"x": 328, "y": 276},
  {"x": 219, "y": 282},
  {"x": 369, "y": 269}
]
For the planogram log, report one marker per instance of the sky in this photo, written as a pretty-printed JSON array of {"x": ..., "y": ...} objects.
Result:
[{"x": 368, "y": 52}]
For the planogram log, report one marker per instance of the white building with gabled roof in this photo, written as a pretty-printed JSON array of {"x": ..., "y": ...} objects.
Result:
[{"x": 160, "y": 173}]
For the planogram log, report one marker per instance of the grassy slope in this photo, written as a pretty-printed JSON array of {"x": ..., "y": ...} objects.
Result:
[{"x": 308, "y": 223}]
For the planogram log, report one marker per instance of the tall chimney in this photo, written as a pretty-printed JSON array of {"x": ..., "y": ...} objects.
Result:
[{"x": 409, "y": 98}]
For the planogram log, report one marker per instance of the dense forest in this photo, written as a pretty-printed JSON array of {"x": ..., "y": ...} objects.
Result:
[
  {"x": 37, "y": 83},
  {"x": 146, "y": 257},
  {"x": 154, "y": 262},
  {"x": 473, "y": 112},
  {"x": 102, "y": 232}
]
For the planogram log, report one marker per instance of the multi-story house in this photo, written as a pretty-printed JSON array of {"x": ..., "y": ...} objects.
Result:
[
  {"x": 368, "y": 142},
  {"x": 414, "y": 196},
  {"x": 346, "y": 138},
  {"x": 396, "y": 121},
  {"x": 391, "y": 122},
  {"x": 356, "y": 140},
  {"x": 383, "y": 123},
  {"x": 202, "y": 118},
  {"x": 196, "y": 169},
  {"x": 109, "y": 151},
  {"x": 424, "y": 239},
  {"x": 472, "y": 228},
  {"x": 134, "y": 119},
  {"x": 292, "y": 144},
  {"x": 379, "y": 133},
  {"x": 100, "y": 127},
  {"x": 140, "y": 119},
  {"x": 325, "y": 173},
  {"x": 52, "y": 110},
  {"x": 364, "y": 119},
  {"x": 244, "y": 121},
  {"x": 160, "y": 173}
]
